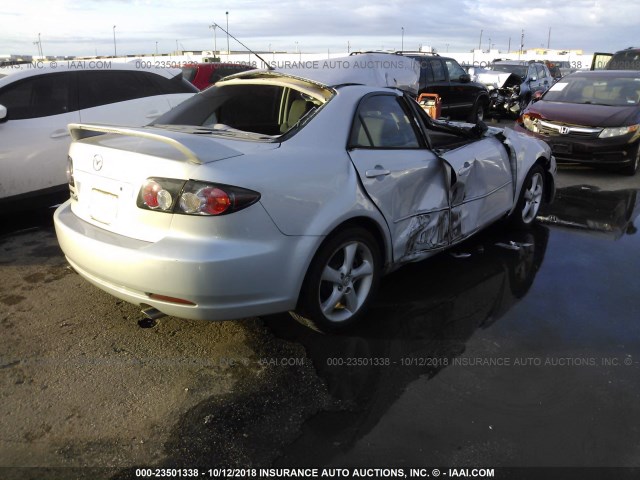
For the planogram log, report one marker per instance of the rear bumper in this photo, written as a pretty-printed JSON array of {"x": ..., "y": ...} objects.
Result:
[{"x": 224, "y": 278}]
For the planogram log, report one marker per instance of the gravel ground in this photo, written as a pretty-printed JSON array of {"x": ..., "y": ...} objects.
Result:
[{"x": 82, "y": 385}]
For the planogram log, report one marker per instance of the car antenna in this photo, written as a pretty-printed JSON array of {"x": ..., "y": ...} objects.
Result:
[{"x": 269, "y": 67}]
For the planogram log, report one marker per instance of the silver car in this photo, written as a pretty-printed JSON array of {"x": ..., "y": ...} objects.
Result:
[{"x": 277, "y": 191}]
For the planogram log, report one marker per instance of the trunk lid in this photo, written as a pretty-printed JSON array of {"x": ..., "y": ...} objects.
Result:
[{"x": 110, "y": 166}]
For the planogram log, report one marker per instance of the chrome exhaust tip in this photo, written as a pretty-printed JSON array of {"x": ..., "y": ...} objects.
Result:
[{"x": 153, "y": 313}]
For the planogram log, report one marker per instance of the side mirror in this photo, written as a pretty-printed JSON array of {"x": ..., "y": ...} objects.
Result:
[
  {"x": 3, "y": 113},
  {"x": 465, "y": 78}
]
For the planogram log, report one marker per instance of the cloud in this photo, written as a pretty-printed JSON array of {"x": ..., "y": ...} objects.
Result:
[{"x": 81, "y": 27}]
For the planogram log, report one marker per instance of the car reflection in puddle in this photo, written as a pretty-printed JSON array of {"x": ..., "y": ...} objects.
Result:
[
  {"x": 424, "y": 315},
  {"x": 584, "y": 207}
]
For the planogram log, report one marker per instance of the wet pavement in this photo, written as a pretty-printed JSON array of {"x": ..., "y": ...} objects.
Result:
[
  {"x": 523, "y": 354},
  {"x": 517, "y": 349}
]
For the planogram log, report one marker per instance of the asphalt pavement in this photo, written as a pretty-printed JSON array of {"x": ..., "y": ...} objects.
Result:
[{"x": 518, "y": 351}]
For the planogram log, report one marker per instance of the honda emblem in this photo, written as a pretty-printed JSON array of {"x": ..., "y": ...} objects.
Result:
[{"x": 564, "y": 130}]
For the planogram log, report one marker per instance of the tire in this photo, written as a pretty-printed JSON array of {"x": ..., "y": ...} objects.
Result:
[
  {"x": 633, "y": 168},
  {"x": 478, "y": 113},
  {"x": 341, "y": 281},
  {"x": 530, "y": 199}
]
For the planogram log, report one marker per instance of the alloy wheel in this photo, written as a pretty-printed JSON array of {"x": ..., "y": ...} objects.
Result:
[
  {"x": 532, "y": 198},
  {"x": 346, "y": 281}
]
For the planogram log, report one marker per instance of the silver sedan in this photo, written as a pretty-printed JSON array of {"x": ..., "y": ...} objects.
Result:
[{"x": 277, "y": 191}]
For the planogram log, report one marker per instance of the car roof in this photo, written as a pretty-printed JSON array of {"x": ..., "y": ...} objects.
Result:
[
  {"x": 19, "y": 72},
  {"x": 524, "y": 63},
  {"x": 216, "y": 65},
  {"x": 371, "y": 69},
  {"x": 268, "y": 77},
  {"x": 630, "y": 49},
  {"x": 606, "y": 73}
]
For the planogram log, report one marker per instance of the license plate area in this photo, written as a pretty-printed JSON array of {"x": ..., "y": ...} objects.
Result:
[{"x": 103, "y": 206}]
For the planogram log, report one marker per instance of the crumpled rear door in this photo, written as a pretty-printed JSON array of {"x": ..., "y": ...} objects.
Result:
[{"x": 405, "y": 180}]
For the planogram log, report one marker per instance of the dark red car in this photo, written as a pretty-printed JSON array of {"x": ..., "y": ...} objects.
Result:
[
  {"x": 590, "y": 117},
  {"x": 203, "y": 75}
]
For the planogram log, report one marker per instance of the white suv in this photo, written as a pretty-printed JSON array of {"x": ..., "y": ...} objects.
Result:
[{"x": 38, "y": 102}]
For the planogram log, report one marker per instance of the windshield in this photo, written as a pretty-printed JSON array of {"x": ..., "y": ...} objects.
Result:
[
  {"x": 596, "y": 90},
  {"x": 520, "y": 70}
]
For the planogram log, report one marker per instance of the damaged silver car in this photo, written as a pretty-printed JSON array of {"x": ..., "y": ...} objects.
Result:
[{"x": 288, "y": 191}]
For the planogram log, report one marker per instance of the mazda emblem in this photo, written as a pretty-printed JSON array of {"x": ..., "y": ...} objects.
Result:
[{"x": 97, "y": 162}]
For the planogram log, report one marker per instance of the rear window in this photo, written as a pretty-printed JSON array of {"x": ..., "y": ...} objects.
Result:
[
  {"x": 625, "y": 60},
  {"x": 263, "y": 109},
  {"x": 520, "y": 70}
]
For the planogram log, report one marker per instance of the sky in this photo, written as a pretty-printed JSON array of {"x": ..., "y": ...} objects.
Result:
[{"x": 86, "y": 27}]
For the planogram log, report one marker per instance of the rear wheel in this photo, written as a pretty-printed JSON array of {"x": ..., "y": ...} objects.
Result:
[
  {"x": 341, "y": 281},
  {"x": 531, "y": 197}
]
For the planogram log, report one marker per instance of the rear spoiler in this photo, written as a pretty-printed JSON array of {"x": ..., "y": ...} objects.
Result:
[{"x": 80, "y": 131}]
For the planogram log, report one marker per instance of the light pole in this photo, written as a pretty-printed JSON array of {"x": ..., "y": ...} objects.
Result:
[
  {"x": 228, "y": 50},
  {"x": 480, "y": 43},
  {"x": 115, "y": 53},
  {"x": 402, "y": 44},
  {"x": 156, "y": 48},
  {"x": 40, "y": 44},
  {"x": 215, "y": 40}
]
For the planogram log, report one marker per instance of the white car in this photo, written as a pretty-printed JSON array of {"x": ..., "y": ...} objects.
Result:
[
  {"x": 38, "y": 101},
  {"x": 275, "y": 191}
]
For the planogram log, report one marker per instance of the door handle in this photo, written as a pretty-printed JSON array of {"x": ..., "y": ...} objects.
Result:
[
  {"x": 60, "y": 133},
  {"x": 378, "y": 171}
]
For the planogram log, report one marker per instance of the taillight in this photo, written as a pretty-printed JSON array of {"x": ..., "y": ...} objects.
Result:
[
  {"x": 70, "y": 178},
  {"x": 159, "y": 194},
  {"x": 207, "y": 200},
  {"x": 194, "y": 197}
]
